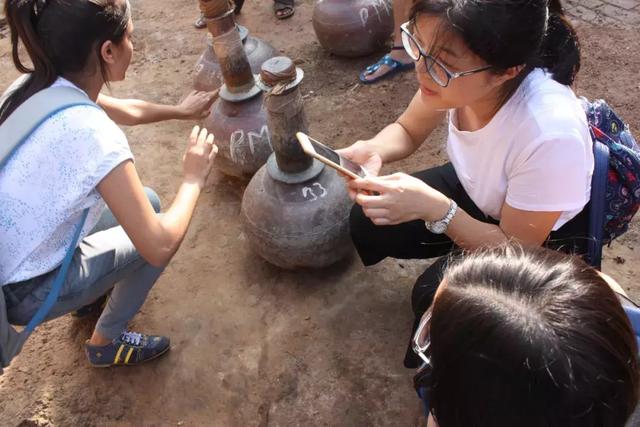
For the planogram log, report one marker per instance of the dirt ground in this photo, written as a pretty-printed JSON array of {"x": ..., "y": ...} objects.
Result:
[{"x": 254, "y": 345}]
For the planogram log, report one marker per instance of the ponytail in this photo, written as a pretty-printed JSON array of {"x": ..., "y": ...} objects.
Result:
[
  {"x": 21, "y": 15},
  {"x": 60, "y": 37},
  {"x": 560, "y": 51}
]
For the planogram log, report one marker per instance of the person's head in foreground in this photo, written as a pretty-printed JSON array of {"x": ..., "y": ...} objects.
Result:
[{"x": 526, "y": 337}]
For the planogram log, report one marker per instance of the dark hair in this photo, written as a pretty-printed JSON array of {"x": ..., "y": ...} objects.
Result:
[
  {"x": 530, "y": 337},
  {"x": 59, "y": 37},
  {"x": 508, "y": 33}
]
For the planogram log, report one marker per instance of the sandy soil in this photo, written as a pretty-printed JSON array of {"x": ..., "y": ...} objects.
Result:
[{"x": 254, "y": 345}]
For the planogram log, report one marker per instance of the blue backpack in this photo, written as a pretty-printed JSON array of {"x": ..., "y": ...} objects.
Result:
[{"x": 615, "y": 191}]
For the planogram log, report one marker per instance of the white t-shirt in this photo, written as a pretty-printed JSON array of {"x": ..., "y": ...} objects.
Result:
[
  {"x": 48, "y": 182},
  {"x": 535, "y": 154}
]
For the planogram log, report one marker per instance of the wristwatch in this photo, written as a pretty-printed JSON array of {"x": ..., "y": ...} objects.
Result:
[{"x": 440, "y": 226}]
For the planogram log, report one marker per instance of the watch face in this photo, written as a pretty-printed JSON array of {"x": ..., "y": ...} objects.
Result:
[{"x": 439, "y": 227}]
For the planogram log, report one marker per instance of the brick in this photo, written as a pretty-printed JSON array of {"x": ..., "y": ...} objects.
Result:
[
  {"x": 590, "y": 4},
  {"x": 584, "y": 14},
  {"x": 624, "y": 4},
  {"x": 627, "y": 17}
]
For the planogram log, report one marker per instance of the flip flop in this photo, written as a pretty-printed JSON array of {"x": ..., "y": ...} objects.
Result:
[
  {"x": 395, "y": 67},
  {"x": 201, "y": 22},
  {"x": 285, "y": 7}
]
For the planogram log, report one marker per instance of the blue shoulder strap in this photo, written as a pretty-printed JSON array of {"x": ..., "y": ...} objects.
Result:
[
  {"x": 597, "y": 203},
  {"x": 15, "y": 130},
  {"x": 35, "y": 111}
]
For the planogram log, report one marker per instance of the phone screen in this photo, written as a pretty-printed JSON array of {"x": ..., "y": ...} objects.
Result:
[{"x": 330, "y": 154}]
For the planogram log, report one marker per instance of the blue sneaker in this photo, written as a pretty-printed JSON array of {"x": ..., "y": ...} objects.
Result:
[{"x": 130, "y": 348}]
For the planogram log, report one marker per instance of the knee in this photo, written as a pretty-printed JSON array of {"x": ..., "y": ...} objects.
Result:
[{"x": 153, "y": 198}]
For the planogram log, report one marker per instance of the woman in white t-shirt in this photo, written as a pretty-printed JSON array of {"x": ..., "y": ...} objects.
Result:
[
  {"x": 499, "y": 71},
  {"x": 79, "y": 159}
]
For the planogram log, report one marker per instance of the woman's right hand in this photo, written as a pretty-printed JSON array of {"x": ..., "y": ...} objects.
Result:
[
  {"x": 363, "y": 154},
  {"x": 198, "y": 159}
]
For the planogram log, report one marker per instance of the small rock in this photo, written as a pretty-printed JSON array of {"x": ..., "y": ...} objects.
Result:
[
  {"x": 180, "y": 423},
  {"x": 619, "y": 260}
]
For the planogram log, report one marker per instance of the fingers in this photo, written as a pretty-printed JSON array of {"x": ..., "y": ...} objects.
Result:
[
  {"x": 213, "y": 95},
  {"x": 379, "y": 216},
  {"x": 202, "y": 136},
  {"x": 370, "y": 184},
  {"x": 366, "y": 200},
  {"x": 214, "y": 148},
  {"x": 193, "y": 138}
]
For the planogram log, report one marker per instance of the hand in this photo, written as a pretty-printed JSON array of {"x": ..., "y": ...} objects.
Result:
[
  {"x": 199, "y": 157},
  {"x": 398, "y": 198},
  {"x": 197, "y": 105},
  {"x": 364, "y": 155}
]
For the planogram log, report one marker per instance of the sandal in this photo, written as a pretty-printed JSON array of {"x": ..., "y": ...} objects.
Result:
[
  {"x": 201, "y": 22},
  {"x": 394, "y": 67},
  {"x": 283, "y": 9}
]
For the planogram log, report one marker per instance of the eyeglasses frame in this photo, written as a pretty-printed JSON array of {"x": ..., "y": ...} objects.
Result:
[{"x": 406, "y": 33}]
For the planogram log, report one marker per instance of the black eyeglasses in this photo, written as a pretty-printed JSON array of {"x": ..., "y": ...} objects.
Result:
[{"x": 438, "y": 72}]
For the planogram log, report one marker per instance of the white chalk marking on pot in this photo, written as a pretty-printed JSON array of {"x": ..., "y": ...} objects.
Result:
[
  {"x": 236, "y": 139},
  {"x": 306, "y": 191},
  {"x": 324, "y": 190},
  {"x": 364, "y": 16},
  {"x": 262, "y": 136}
]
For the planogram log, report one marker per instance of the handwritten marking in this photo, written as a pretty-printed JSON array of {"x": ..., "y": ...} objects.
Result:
[
  {"x": 308, "y": 191},
  {"x": 257, "y": 137},
  {"x": 235, "y": 140},
  {"x": 364, "y": 16}
]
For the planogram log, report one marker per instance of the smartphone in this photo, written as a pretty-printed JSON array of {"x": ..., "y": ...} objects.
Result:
[{"x": 329, "y": 157}]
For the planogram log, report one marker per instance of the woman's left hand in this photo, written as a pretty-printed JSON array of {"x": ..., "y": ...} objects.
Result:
[
  {"x": 398, "y": 198},
  {"x": 197, "y": 104}
]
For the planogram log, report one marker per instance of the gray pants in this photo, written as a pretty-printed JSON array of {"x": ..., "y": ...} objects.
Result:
[{"x": 106, "y": 259}]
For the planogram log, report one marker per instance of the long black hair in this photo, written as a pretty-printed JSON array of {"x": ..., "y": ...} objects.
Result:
[
  {"x": 528, "y": 338},
  {"x": 59, "y": 36},
  {"x": 509, "y": 33}
]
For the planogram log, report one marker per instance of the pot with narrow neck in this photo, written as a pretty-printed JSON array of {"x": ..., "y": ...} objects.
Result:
[
  {"x": 238, "y": 118},
  {"x": 353, "y": 28},
  {"x": 295, "y": 210},
  {"x": 208, "y": 73}
]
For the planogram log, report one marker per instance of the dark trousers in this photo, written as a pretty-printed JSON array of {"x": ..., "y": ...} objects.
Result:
[{"x": 411, "y": 240}]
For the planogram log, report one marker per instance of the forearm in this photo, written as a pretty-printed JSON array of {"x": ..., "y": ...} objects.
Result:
[
  {"x": 131, "y": 112},
  {"x": 469, "y": 233},
  {"x": 175, "y": 221},
  {"x": 393, "y": 143}
]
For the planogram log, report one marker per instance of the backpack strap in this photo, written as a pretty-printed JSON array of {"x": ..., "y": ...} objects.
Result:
[
  {"x": 33, "y": 112},
  {"x": 597, "y": 203}
]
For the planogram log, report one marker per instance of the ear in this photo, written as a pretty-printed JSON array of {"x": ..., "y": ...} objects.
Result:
[
  {"x": 508, "y": 74},
  {"x": 107, "y": 52}
]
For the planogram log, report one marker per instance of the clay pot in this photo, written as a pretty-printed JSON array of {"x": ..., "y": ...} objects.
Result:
[
  {"x": 242, "y": 135},
  {"x": 296, "y": 225},
  {"x": 208, "y": 75},
  {"x": 353, "y": 28},
  {"x": 295, "y": 210}
]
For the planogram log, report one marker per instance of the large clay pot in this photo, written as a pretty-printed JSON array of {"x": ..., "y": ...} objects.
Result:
[
  {"x": 296, "y": 225},
  {"x": 353, "y": 28},
  {"x": 208, "y": 75},
  {"x": 295, "y": 210},
  {"x": 241, "y": 134}
]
